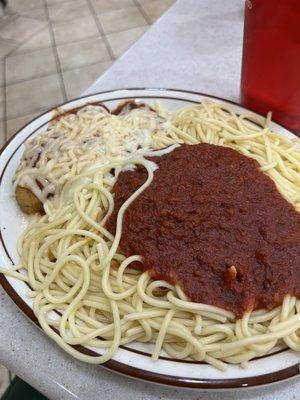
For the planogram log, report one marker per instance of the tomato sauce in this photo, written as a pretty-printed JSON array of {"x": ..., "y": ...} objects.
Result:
[{"x": 213, "y": 223}]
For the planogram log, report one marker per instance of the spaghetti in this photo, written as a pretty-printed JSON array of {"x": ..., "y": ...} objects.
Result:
[{"x": 86, "y": 291}]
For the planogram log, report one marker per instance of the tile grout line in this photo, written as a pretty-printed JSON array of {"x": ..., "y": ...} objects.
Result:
[
  {"x": 93, "y": 13},
  {"x": 4, "y": 100},
  {"x": 67, "y": 43},
  {"x": 54, "y": 48},
  {"x": 36, "y": 111},
  {"x": 31, "y": 79},
  {"x": 22, "y": 53},
  {"x": 101, "y": 30},
  {"x": 53, "y": 73},
  {"x": 59, "y": 44},
  {"x": 41, "y": 19},
  {"x": 21, "y": 44},
  {"x": 10, "y": 11},
  {"x": 67, "y": 20},
  {"x": 17, "y": 14},
  {"x": 8, "y": 22},
  {"x": 142, "y": 11},
  {"x": 11, "y": 41}
]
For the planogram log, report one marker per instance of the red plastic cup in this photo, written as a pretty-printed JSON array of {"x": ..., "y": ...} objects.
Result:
[{"x": 271, "y": 60}]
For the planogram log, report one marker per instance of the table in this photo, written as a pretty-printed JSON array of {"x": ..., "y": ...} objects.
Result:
[{"x": 196, "y": 45}]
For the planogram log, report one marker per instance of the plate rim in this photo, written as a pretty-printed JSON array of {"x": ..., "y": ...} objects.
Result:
[{"x": 128, "y": 370}]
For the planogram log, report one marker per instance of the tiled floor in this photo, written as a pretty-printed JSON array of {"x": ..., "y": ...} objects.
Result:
[{"x": 52, "y": 50}]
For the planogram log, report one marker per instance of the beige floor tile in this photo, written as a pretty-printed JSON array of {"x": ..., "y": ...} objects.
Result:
[
  {"x": 39, "y": 41},
  {"x": 6, "y": 48},
  {"x": 155, "y": 8},
  {"x": 4, "y": 374},
  {"x": 13, "y": 125},
  {"x": 21, "y": 67},
  {"x": 38, "y": 13},
  {"x": 121, "y": 20},
  {"x": 121, "y": 41},
  {"x": 67, "y": 11},
  {"x": 71, "y": 31},
  {"x": 21, "y": 29},
  {"x": 78, "y": 80},
  {"x": 102, "y": 6},
  {"x": 75, "y": 55},
  {"x": 24, "y": 5},
  {"x": 44, "y": 93}
]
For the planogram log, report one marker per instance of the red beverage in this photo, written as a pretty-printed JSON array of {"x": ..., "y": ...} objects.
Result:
[{"x": 271, "y": 60}]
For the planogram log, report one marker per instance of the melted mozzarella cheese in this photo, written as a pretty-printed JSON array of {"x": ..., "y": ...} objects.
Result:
[{"x": 77, "y": 140}]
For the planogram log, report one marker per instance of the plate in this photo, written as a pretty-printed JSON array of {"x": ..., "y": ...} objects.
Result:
[{"x": 134, "y": 360}]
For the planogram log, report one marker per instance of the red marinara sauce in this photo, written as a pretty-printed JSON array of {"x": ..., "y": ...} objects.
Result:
[{"x": 213, "y": 223}]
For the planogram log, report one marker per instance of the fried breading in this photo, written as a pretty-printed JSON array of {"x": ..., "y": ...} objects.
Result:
[{"x": 28, "y": 201}]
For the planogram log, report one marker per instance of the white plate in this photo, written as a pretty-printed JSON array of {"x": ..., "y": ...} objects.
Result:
[{"x": 133, "y": 360}]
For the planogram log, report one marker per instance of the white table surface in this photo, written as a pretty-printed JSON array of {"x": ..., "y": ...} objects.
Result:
[{"x": 196, "y": 45}]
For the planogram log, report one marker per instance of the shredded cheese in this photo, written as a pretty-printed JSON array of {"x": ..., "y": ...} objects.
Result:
[{"x": 90, "y": 136}]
